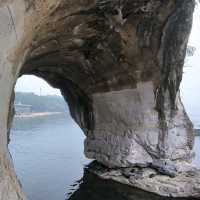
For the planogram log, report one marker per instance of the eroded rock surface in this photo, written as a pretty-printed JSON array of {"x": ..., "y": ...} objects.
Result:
[
  {"x": 94, "y": 187},
  {"x": 118, "y": 64},
  {"x": 185, "y": 184}
]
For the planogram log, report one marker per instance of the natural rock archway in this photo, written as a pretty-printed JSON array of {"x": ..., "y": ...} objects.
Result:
[{"x": 119, "y": 67}]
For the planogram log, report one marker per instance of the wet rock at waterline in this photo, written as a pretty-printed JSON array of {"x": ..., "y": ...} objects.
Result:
[
  {"x": 118, "y": 65},
  {"x": 185, "y": 184},
  {"x": 94, "y": 187}
]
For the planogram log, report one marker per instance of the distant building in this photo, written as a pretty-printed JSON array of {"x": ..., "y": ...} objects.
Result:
[{"x": 22, "y": 108}]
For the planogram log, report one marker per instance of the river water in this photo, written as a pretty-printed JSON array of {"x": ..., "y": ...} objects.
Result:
[{"x": 49, "y": 161}]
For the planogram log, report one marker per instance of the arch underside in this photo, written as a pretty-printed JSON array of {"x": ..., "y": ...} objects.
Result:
[{"x": 119, "y": 66}]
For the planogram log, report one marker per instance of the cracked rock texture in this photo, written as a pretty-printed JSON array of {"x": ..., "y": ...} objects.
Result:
[
  {"x": 185, "y": 185},
  {"x": 118, "y": 64},
  {"x": 93, "y": 186}
]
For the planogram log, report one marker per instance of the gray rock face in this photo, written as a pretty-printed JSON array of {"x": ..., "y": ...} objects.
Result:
[{"x": 118, "y": 64}]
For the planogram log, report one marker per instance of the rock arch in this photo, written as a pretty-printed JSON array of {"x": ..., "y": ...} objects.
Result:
[{"x": 119, "y": 66}]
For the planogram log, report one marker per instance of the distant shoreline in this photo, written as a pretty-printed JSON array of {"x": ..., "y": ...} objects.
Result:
[
  {"x": 38, "y": 114},
  {"x": 197, "y": 132}
]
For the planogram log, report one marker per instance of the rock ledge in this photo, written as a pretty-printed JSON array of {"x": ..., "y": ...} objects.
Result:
[{"x": 185, "y": 184}]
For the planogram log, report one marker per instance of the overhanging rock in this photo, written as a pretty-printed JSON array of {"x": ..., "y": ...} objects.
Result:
[{"x": 119, "y": 66}]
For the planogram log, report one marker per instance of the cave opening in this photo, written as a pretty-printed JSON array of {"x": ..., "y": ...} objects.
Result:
[
  {"x": 45, "y": 142},
  {"x": 120, "y": 73}
]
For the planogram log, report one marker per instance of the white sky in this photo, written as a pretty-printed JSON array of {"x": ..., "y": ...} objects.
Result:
[
  {"x": 29, "y": 83},
  {"x": 190, "y": 90},
  {"x": 190, "y": 87}
]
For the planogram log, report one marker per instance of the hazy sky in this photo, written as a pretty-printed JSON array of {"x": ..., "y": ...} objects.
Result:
[
  {"x": 34, "y": 84},
  {"x": 190, "y": 90},
  {"x": 190, "y": 87}
]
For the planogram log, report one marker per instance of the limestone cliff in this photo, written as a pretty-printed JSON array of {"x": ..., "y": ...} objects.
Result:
[{"x": 118, "y": 64}]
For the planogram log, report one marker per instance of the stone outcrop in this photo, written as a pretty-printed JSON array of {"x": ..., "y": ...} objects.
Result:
[
  {"x": 100, "y": 182},
  {"x": 118, "y": 64},
  {"x": 185, "y": 184}
]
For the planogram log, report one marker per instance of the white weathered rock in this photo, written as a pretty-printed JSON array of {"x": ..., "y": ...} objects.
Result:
[
  {"x": 127, "y": 131},
  {"x": 126, "y": 127}
]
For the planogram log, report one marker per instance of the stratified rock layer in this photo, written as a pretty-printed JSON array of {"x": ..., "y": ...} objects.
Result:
[{"x": 118, "y": 64}]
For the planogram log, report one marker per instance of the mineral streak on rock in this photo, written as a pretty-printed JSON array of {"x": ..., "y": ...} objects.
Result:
[{"x": 118, "y": 64}]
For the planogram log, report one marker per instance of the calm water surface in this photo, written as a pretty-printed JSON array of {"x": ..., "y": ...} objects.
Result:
[{"x": 48, "y": 157}]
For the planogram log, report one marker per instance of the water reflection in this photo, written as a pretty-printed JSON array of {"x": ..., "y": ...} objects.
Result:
[
  {"x": 48, "y": 155},
  {"x": 93, "y": 188}
]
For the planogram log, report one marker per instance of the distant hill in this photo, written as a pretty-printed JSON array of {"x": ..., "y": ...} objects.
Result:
[
  {"x": 49, "y": 103},
  {"x": 197, "y": 132}
]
